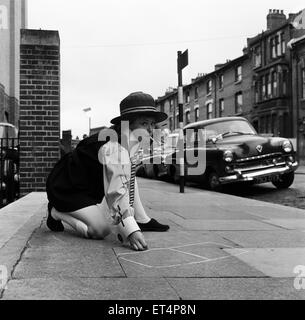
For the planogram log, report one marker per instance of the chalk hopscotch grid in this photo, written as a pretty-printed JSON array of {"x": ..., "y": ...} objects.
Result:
[{"x": 204, "y": 259}]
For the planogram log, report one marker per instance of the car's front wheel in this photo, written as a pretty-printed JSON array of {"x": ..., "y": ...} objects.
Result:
[
  {"x": 213, "y": 182},
  {"x": 285, "y": 181}
]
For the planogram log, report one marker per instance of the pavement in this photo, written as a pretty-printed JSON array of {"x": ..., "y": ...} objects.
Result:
[
  {"x": 301, "y": 170},
  {"x": 219, "y": 247}
]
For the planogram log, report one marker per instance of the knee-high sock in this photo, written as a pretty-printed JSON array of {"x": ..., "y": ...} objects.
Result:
[
  {"x": 140, "y": 214},
  {"x": 79, "y": 226}
]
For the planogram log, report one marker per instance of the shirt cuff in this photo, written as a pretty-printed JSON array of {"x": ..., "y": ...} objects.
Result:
[{"x": 126, "y": 227}]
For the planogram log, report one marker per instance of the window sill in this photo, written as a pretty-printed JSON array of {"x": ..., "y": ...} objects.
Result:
[
  {"x": 257, "y": 67},
  {"x": 238, "y": 82},
  {"x": 209, "y": 94},
  {"x": 220, "y": 89}
]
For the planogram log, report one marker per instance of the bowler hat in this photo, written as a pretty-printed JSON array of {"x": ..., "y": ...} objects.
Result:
[{"x": 136, "y": 104}]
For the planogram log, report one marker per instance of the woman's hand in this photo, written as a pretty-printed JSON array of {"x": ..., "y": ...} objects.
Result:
[{"x": 137, "y": 241}]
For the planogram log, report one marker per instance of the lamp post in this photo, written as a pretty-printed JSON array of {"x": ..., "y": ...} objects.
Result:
[{"x": 88, "y": 111}]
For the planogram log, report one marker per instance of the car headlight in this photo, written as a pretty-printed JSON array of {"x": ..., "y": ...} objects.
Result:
[
  {"x": 287, "y": 146},
  {"x": 228, "y": 156}
]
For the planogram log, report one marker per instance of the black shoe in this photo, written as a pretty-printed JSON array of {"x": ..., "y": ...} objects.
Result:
[
  {"x": 54, "y": 225},
  {"x": 153, "y": 225}
]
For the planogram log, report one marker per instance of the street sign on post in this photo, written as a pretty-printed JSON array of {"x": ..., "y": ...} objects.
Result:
[{"x": 183, "y": 61}]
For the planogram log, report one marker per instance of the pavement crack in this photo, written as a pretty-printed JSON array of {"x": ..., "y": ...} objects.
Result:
[
  {"x": 119, "y": 262},
  {"x": 176, "y": 292},
  {"x": 26, "y": 246}
]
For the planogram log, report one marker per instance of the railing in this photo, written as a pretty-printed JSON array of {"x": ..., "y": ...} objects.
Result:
[{"x": 9, "y": 170}]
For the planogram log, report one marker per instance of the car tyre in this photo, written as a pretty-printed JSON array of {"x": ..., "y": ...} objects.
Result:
[
  {"x": 285, "y": 181},
  {"x": 213, "y": 182}
]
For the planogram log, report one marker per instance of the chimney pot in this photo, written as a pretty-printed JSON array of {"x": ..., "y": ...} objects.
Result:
[{"x": 275, "y": 19}]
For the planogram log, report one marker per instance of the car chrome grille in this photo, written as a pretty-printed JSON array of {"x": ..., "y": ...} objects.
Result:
[
  {"x": 260, "y": 162},
  {"x": 264, "y": 156}
]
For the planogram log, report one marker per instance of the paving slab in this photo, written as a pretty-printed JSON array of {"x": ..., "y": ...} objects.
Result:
[
  {"x": 77, "y": 288},
  {"x": 273, "y": 262},
  {"x": 209, "y": 212},
  {"x": 64, "y": 261},
  {"x": 237, "y": 225},
  {"x": 265, "y": 239},
  {"x": 16, "y": 215},
  {"x": 236, "y": 289}
]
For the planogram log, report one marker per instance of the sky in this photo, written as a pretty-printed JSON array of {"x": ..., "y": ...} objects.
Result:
[{"x": 112, "y": 48}]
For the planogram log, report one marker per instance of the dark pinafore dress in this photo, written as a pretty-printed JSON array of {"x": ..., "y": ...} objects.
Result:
[{"x": 76, "y": 181}]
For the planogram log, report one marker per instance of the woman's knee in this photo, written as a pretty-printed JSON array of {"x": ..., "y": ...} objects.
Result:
[{"x": 98, "y": 232}]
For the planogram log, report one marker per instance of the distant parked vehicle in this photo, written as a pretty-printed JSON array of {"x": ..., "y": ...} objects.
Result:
[
  {"x": 9, "y": 163},
  {"x": 153, "y": 162},
  {"x": 236, "y": 153}
]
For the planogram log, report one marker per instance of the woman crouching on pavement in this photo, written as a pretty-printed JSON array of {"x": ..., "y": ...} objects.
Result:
[{"x": 96, "y": 182}]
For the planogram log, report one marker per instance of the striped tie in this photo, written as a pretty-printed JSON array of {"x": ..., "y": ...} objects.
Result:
[{"x": 132, "y": 181}]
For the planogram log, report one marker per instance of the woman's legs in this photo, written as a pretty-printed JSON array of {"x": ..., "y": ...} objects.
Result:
[
  {"x": 140, "y": 214},
  {"x": 89, "y": 222}
]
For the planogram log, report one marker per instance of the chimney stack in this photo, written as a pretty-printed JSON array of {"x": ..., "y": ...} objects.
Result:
[{"x": 275, "y": 19}]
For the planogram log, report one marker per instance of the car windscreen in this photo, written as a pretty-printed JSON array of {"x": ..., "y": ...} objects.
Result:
[{"x": 227, "y": 127}]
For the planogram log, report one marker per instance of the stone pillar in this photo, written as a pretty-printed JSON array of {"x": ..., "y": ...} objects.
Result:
[{"x": 39, "y": 107}]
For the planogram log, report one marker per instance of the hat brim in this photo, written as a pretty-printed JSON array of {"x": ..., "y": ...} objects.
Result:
[{"x": 158, "y": 116}]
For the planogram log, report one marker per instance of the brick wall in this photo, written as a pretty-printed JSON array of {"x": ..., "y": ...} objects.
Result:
[{"x": 39, "y": 107}]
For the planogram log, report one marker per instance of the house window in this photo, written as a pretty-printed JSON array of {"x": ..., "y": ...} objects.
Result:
[
  {"x": 209, "y": 111},
  {"x": 196, "y": 93},
  {"x": 263, "y": 88},
  {"x": 209, "y": 87},
  {"x": 268, "y": 81},
  {"x": 285, "y": 82},
  {"x": 256, "y": 90},
  {"x": 283, "y": 43},
  {"x": 238, "y": 74},
  {"x": 262, "y": 125},
  {"x": 239, "y": 102},
  {"x": 187, "y": 117},
  {"x": 177, "y": 121},
  {"x": 162, "y": 107},
  {"x": 273, "y": 124},
  {"x": 171, "y": 105},
  {"x": 196, "y": 114},
  {"x": 220, "y": 79},
  {"x": 274, "y": 84},
  {"x": 268, "y": 124},
  {"x": 303, "y": 83},
  {"x": 221, "y": 107},
  {"x": 257, "y": 57},
  {"x": 278, "y": 46},
  {"x": 187, "y": 97},
  {"x": 171, "y": 124},
  {"x": 272, "y": 48}
]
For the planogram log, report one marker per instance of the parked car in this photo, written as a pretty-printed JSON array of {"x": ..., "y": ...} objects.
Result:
[
  {"x": 9, "y": 163},
  {"x": 234, "y": 152}
]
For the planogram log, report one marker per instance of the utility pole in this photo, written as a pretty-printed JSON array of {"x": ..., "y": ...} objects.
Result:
[{"x": 182, "y": 63}]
